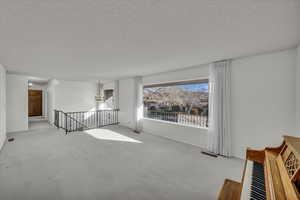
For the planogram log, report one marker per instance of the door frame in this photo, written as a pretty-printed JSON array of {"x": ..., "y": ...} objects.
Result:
[{"x": 41, "y": 103}]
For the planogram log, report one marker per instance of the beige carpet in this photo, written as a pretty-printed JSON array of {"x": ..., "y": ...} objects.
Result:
[{"x": 108, "y": 164}]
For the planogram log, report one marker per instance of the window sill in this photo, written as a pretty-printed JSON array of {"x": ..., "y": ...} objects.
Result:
[{"x": 174, "y": 123}]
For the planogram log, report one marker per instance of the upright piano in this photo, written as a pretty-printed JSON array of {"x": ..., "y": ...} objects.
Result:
[{"x": 272, "y": 174}]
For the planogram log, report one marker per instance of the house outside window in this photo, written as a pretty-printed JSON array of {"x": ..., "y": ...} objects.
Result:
[{"x": 183, "y": 102}]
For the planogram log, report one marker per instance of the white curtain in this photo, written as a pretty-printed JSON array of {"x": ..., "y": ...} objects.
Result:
[
  {"x": 219, "y": 136},
  {"x": 138, "y": 104}
]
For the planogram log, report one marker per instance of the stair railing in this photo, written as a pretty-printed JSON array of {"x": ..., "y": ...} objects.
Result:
[{"x": 79, "y": 121}]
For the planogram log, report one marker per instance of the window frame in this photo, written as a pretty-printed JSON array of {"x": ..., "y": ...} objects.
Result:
[{"x": 177, "y": 83}]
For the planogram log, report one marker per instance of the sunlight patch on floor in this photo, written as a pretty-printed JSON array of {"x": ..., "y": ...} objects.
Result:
[{"x": 106, "y": 134}]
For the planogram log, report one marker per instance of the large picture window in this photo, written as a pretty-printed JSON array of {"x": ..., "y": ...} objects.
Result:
[{"x": 180, "y": 102}]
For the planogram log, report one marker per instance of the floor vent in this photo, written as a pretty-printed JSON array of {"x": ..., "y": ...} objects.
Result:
[{"x": 209, "y": 154}]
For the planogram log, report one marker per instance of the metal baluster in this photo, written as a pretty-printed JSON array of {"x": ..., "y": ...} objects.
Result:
[
  {"x": 66, "y": 123},
  {"x": 89, "y": 119},
  {"x": 104, "y": 118},
  {"x": 79, "y": 119},
  {"x": 113, "y": 114},
  {"x": 95, "y": 116},
  {"x": 75, "y": 121},
  {"x": 94, "y": 120},
  {"x": 97, "y": 119},
  {"x": 110, "y": 117},
  {"x": 82, "y": 118},
  {"x": 86, "y": 119},
  {"x": 117, "y": 116},
  {"x": 70, "y": 122},
  {"x": 101, "y": 118},
  {"x": 107, "y": 117}
]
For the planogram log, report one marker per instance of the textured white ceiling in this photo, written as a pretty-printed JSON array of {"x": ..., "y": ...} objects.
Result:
[{"x": 106, "y": 39}]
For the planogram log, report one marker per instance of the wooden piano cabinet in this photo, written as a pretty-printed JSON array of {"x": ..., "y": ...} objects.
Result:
[
  {"x": 259, "y": 155},
  {"x": 272, "y": 174},
  {"x": 281, "y": 171},
  {"x": 230, "y": 190},
  {"x": 290, "y": 190},
  {"x": 255, "y": 155},
  {"x": 289, "y": 164}
]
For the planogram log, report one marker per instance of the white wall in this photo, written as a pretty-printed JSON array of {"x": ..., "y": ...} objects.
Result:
[
  {"x": 2, "y": 106},
  {"x": 126, "y": 102},
  {"x": 298, "y": 89},
  {"x": 51, "y": 100},
  {"x": 108, "y": 86},
  {"x": 17, "y": 103},
  {"x": 186, "y": 134},
  {"x": 191, "y": 73},
  {"x": 263, "y": 100},
  {"x": 71, "y": 96}
]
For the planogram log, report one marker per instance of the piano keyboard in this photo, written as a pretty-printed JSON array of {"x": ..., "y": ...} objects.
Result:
[{"x": 254, "y": 182}]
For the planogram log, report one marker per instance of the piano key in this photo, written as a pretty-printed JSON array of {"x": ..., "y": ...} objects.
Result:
[
  {"x": 257, "y": 195},
  {"x": 258, "y": 188},
  {"x": 257, "y": 182},
  {"x": 258, "y": 191},
  {"x": 254, "y": 182}
]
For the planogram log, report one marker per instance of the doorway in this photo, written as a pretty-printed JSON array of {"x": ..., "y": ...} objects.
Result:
[{"x": 35, "y": 103}]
